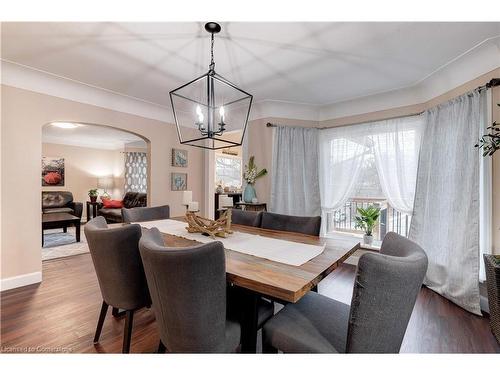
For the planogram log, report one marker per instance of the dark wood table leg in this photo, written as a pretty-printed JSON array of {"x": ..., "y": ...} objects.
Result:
[
  {"x": 77, "y": 225},
  {"x": 88, "y": 212},
  {"x": 249, "y": 322}
]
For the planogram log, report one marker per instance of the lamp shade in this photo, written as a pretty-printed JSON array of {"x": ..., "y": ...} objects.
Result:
[{"x": 105, "y": 182}]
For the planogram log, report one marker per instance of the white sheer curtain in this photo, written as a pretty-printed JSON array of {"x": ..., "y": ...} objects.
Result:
[
  {"x": 294, "y": 177},
  {"x": 446, "y": 214},
  {"x": 396, "y": 145},
  {"x": 341, "y": 152}
]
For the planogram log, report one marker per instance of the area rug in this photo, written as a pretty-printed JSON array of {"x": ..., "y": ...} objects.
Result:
[{"x": 58, "y": 244}]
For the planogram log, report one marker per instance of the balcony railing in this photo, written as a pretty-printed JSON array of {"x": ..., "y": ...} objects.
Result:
[{"x": 391, "y": 220}]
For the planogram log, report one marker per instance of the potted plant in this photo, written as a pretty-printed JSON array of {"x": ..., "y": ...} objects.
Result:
[
  {"x": 490, "y": 142},
  {"x": 366, "y": 221},
  {"x": 250, "y": 175},
  {"x": 93, "y": 195}
]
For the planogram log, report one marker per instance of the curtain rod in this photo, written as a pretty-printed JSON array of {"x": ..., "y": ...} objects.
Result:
[
  {"x": 492, "y": 83},
  {"x": 269, "y": 125}
]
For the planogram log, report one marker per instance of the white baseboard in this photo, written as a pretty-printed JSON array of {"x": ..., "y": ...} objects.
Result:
[{"x": 21, "y": 280}]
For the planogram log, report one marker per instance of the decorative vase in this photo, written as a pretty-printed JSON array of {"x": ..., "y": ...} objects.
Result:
[
  {"x": 93, "y": 199},
  {"x": 249, "y": 193},
  {"x": 368, "y": 240}
]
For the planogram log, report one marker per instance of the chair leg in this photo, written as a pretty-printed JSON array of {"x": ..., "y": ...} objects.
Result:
[
  {"x": 127, "y": 333},
  {"x": 161, "y": 348},
  {"x": 100, "y": 322},
  {"x": 267, "y": 348},
  {"x": 117, "y": 313}
]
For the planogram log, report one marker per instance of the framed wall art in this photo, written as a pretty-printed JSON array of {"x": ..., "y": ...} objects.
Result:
[
  {"x": 52, "y": 171},
  {"x": 178, "y": 181},
  {"x": 179, "y": 158}
]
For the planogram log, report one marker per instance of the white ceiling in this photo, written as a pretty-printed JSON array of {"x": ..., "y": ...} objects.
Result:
[
  {"x": 93, "y": 136},
  {"x": 313, "y": 63}
]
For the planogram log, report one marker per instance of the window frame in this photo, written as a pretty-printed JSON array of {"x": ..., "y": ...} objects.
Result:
[{"x": 227, "y": 156}]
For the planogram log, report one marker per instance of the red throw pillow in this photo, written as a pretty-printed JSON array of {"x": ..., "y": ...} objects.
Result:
[{"x": 112, "y": 203}]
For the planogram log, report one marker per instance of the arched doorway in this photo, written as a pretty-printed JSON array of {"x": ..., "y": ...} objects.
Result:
[{"x": 84, "y": 164}]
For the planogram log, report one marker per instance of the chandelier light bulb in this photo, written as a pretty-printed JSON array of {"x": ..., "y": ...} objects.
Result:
[
  {"x": 221, "y": 113},
  {"x": 200, "y": 114}
]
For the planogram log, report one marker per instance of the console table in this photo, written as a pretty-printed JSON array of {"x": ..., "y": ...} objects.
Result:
[
  {"x": 236, "y": 198},
  {"x": 252, "y": 206}
]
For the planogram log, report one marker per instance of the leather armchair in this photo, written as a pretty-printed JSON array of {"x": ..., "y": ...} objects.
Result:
[
  {"x": 130, "y": 200},
  {"x": 60, "y": 202}
]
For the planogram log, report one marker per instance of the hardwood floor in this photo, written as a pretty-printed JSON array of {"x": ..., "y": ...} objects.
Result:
[{"x": 60, "y": 315}]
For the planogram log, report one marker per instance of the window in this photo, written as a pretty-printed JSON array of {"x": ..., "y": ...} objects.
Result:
[
  {"x": 228, "y": 170},
  {"x": 367, "y": 191},
  {"x": 370, "y": 164}
]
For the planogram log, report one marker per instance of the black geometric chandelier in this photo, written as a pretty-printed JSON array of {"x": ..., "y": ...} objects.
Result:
[{"x": 209, "y": 111}]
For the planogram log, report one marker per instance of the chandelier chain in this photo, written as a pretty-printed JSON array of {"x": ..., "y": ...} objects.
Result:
[{"x": 212, "y": 51}]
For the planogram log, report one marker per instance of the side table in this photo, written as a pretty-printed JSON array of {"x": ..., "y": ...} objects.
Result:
[{"x": 95, "y": 206}]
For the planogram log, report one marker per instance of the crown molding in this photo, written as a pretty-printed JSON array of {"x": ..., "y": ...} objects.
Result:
[
  {"x": 28, "y": 78},
  {"x": 479, "y": 60},
  {"x": 475, "y": 62},
  {"x": 282, "y": 109}
]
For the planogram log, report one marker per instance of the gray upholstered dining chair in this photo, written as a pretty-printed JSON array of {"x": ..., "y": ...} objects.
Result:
[
  {"x": 385, "y": 291},
  {"x": 188, "y": 289},
  {"x": 300, "y": 224},
  {"x": 118, "y": 265},
  {"x": 135, "y": 214},
  {"x": 248, "y": 218}
]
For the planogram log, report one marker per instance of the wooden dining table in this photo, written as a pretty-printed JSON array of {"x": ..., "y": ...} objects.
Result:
[{"x": 258, "y": 277}]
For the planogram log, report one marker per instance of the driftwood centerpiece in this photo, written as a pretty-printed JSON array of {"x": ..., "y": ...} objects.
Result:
[{"x": 220, "y": 227}]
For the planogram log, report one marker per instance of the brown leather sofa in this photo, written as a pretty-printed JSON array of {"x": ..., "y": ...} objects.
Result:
[
  {"x": 59, "y": 202},
  {"x": 130, "y": 200}
]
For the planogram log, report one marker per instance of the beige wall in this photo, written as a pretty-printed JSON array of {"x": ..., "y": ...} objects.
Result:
[
  {"x": 83, "y": 166},
  {"x": 23, "y": 115}
]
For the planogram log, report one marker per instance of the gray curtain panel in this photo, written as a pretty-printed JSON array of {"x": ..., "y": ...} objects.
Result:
[
  {"x": 136, "y": 172},
  {"x": 294, "y": 178},
  {"x": 445, "y": 220}
]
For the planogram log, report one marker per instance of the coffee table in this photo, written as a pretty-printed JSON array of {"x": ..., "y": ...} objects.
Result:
[{"x": 60, "y": 220}]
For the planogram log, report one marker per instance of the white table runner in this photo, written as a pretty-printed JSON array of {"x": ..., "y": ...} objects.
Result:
[{"x": 287, "y": 252}]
